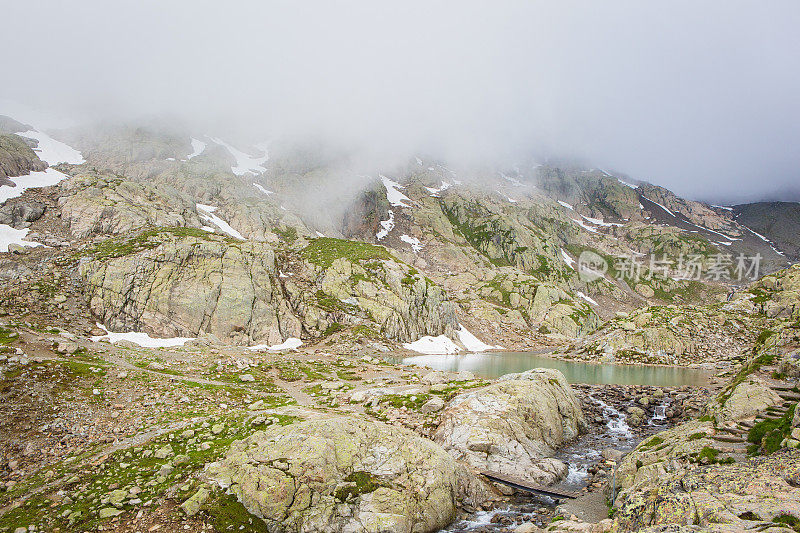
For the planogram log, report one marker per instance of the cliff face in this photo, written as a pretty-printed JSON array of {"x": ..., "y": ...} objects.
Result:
[{"x": 187, "y": 282}]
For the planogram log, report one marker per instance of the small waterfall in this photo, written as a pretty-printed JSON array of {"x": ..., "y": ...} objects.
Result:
[
  {"x": 576, "y": 474},
  {"x": 659, "y": 414},
  {"x": 615, "y": 421}
]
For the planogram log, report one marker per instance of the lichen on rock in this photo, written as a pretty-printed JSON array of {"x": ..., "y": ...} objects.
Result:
[{"x": 342, "y": 474}]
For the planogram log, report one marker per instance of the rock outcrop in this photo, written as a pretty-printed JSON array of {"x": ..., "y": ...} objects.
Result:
[
  {"x": 93, "y": 206},
  {"x": 9, "y": 125},
  {"x": 17, "y": 158},
  {"x": 514, "y": 425},
  {"x": 777, "y": 295},
  {"x": 735, "y": 497},
  {"x": 187, "y": 282},
  {"x": 671, "y": 334},
  {"x": 666, "y": 452},
  {"x": 341, "y": 475},
  {"x": 748, "y": 398}
]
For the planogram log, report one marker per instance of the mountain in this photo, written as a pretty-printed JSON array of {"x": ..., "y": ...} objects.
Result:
[
  {"x": 778, "y": 222},
  {"x": 212, "y": 334},
  {"x": 499, "y": 247}
]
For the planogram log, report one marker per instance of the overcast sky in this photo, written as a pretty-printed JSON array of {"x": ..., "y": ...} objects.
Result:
[{"x": 699, "y": 96}]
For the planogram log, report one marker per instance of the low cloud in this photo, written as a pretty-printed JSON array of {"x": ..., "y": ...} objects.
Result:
[{"x": 698, "y": 97}]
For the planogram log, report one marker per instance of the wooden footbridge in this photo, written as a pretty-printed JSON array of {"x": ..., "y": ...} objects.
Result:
[{"x": 527, "y": 486}]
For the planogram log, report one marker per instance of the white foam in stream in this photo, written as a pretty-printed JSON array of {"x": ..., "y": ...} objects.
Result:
[{"x": 616, "y": 423}]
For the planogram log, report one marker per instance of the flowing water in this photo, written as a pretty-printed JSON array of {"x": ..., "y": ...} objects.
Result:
[
  {"x": 579, "y": 455},
  {"x": 585, "y": 451},
  {"x": 494, "y": 364}
]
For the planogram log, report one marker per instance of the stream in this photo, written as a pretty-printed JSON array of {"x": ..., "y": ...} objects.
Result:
[
  {"x": 609, "y": 430},
  {"x": 580, "y": 455}
]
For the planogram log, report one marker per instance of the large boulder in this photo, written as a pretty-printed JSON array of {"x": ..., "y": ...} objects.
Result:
[
  {"x": 342, "y": 474},
  {"x": 665, "y": 452},
  {"x": 514, "y": 425},
  {"x": 749, "y": 398},
  {"x": 21, "y": 213}
]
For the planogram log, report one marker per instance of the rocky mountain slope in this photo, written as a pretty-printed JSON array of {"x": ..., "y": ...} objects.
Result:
[
  {"x": 503, "y": 244},
  {"x": 198, "y": 334},
  {"x": 17, "y": 158},
  {"x": 779, "y": 222}
]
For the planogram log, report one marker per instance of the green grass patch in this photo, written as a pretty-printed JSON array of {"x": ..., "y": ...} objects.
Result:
[
  {"x": 788, "y": 521},
  {"x": 324, "y": 251},
  {"x": 410, "y": 401},
  {"x": 767, "y": 435},
  {"x": 226, "y": 513},
  {"x": 7, "y": 336},
  {"x": 655, "y": 441},
  {"x": 359, "y": 483},
  {"x": 120, "y": 247},
  {"x": 753, "y": 366}
]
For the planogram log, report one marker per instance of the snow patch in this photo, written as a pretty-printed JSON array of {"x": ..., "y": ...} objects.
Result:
[
  {"x": 440, "y": 345},
  {"x": 9, "y": 235},
  {"x": 52, "y": 151},
  {"x": 142, "y": 339},
  {"x": 262, "y": 189},
  {"x": 584, "y": 225},
  {"x": 515, "y": 181},
  {"x": 435, "y": 191},
  {"x": 632, "y": 186},
  {"x": 765, "y": 240},
  {"x": 292, "y": 343},
  {"x": 510, "y": 199},
  {"x": 565, "y": 204},
  {"x": 386, "y": 225},
  {"x": 413, "y": 241},
  {"x": 600, "y": 221},
  {"x": 663, "y": 207},
  {"x": 198, "y": 148},
  {"x": 208, "y": 215},
  {"x": 45, "y": 178},
  {"x": 717, "y": 233},
  {"x": 471, "y": 342},
  {"x": 568, "y": 260},
  {"x": 587, "y": 298},
  {"x": 393, "y": 194},
  {"x": 245, "y": 164}
]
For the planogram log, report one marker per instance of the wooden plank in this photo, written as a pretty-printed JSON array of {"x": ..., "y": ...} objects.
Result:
[{"x": 521, "y": 484}]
